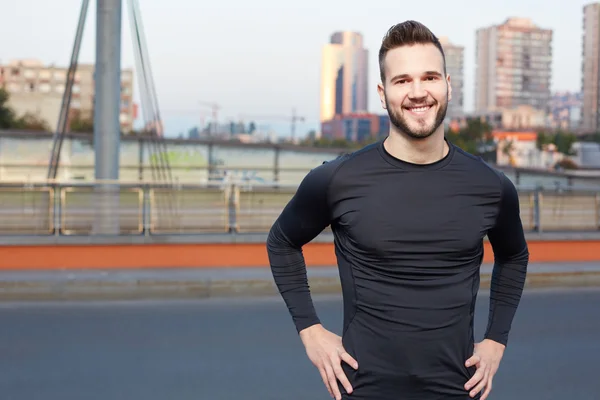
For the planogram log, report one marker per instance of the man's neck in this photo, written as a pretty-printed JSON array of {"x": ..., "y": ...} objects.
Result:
[{"x": 417, "y": 151}]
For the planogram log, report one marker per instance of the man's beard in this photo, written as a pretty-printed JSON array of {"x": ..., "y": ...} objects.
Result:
[{"x": 422, "y": 132}]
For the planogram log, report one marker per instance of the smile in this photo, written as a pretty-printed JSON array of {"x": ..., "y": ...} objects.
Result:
[{"x": 419, "y": 110}]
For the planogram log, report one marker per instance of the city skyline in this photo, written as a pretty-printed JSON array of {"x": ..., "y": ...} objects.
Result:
[{"x": 197, "y": 62}]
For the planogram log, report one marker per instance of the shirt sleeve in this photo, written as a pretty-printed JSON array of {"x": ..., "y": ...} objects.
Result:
[
  {"x": 302, "y": 219},
  {"x": 511, "y": 257}
]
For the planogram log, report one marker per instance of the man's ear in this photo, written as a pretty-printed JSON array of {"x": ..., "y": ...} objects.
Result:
[{"x": 381, "y": 92}]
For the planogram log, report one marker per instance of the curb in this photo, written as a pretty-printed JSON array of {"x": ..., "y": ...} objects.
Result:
[{"x": 206, "y": 288}]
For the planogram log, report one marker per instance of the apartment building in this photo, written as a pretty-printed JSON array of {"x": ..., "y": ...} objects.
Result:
[
  {"x": 514, "y": 66},
  {"x": 38, "y": 89},
  {"x": 455, "y": 68},
  {"x": 590, "y": 69}
]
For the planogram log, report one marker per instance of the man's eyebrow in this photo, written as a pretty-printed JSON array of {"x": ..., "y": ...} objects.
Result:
[
  {"x": 427, "y": 73},
  {"x": 400, "y": 76}
]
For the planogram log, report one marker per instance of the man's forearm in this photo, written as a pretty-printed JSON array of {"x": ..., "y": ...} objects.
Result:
[
  {"x": 289, "y": 272},
  {"x": 506, "y": 288}
]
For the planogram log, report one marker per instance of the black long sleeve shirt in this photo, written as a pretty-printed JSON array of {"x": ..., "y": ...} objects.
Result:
[{"x": 409, "y": 245}]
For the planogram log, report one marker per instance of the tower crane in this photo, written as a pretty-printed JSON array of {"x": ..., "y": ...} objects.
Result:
[
  {"x": 294, "y": 118},
  {"x": 215, "y": 113}
]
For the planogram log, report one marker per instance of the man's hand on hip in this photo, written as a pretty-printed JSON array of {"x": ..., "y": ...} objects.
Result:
[
  {"x": 486, "y": 358},
  {"x": 325, "y": 350}
]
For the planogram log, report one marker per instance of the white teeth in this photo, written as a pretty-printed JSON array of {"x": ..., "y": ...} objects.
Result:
[{"x": 420, "y": 109}]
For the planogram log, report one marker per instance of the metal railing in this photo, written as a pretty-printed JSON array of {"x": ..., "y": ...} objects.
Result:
[{"x": 147, "y": 209}]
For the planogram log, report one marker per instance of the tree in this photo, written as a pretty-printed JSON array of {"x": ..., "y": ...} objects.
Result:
[
  {"x": 561, "y": 139},
  {"x": 507, "y": 150},
  {"x": 7, "y": 115},
  {"x": 81, "y": 125},
  {"x": 543, "y": 139},
  {"x": 31, "y": 122},
  {"x": 564, "y": 142},
  {"x": 9, "y": 120},
  {"x": 472, "y": 138}
]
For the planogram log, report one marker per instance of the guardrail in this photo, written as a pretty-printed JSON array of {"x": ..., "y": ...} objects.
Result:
[{"x": 151, "y": 209}]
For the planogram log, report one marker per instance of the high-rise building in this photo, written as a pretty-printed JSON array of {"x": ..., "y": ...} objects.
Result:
[
  {"x": 565, "y": 111},
  {"x": 513, "y": 66},
  {"x": 344, "y": 75},
  {"x": 590, "y": 69},
  {"x": 38, "y": 89},
  {"x": 455, "y": 68}
]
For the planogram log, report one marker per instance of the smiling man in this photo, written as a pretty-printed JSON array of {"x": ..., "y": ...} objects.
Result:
[{"x": 409, "y": 215}]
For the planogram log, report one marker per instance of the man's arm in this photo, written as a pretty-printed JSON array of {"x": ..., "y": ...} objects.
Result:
[
  {"x": 304, "y": 217},
  {"x": 511, "y": 256}
]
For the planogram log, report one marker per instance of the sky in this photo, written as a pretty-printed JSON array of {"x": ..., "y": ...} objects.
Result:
[{"x": 262, "y": 57}]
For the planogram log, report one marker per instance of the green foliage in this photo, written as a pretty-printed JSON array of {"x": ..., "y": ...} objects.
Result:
[
  {"x": 473, "y": 138},
  {"x": 561, "y": 139},
  {"x": 9, "y": 120},
  {"x": 81, "y": 125},
  {"x": 7, "y": 115}
]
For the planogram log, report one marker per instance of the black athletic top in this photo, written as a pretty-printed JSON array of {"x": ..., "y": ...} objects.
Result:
[{"x": 409, "y": 244}]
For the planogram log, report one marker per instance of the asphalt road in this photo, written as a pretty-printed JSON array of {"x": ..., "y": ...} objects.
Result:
[{"x": 247, "y": 349}]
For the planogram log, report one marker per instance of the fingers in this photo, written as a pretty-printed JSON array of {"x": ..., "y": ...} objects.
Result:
[
  {"x": 488, "y": 389},
  {"x": 341, "y": 376},
  {"x": 347, "y": 358},
  {"x": 332, "y": 382},
  {"x": 476, "y": 378},
  {"x": 483, "y": 380},
  {"x": 330, "y": 368},
  {"x": 326, "y": 381},
  {"x": 475, "y": 359}
]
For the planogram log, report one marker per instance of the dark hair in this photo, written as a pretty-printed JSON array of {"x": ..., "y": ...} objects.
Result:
[{"x": 406, "y": 33}]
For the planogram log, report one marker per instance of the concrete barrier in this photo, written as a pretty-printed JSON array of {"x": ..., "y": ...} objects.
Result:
[
  {"x": 177, "y": 284},
  {"x": 227, "y": 250}
]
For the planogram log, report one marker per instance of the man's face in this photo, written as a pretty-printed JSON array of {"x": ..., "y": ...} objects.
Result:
[{"x": 416, "y": 91}]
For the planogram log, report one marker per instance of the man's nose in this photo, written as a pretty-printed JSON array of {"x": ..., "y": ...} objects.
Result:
[{"x": 417, "y": 91}]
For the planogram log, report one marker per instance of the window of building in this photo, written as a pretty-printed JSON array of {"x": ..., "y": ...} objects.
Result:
[
  {"x": 29, "y": 74},
  {"x": 45, "y": 75},
  {"x": 13, "y": 87}
]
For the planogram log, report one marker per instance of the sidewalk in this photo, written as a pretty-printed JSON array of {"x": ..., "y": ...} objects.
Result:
[{"x": 225, "y": 282}]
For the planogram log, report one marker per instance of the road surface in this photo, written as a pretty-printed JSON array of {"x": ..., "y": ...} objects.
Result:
[{"x": 230, "y": 349}]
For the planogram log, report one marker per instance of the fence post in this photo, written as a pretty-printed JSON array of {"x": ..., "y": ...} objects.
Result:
[
  {"x": 597, "y": 210},
  {"x": 57, "y": 208},
  {"x": 146, "y": 218},
  {"x": 276, "y": 164},
  {"x": 537, "y": 210},
  {"x": 232, "y": 204}
]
